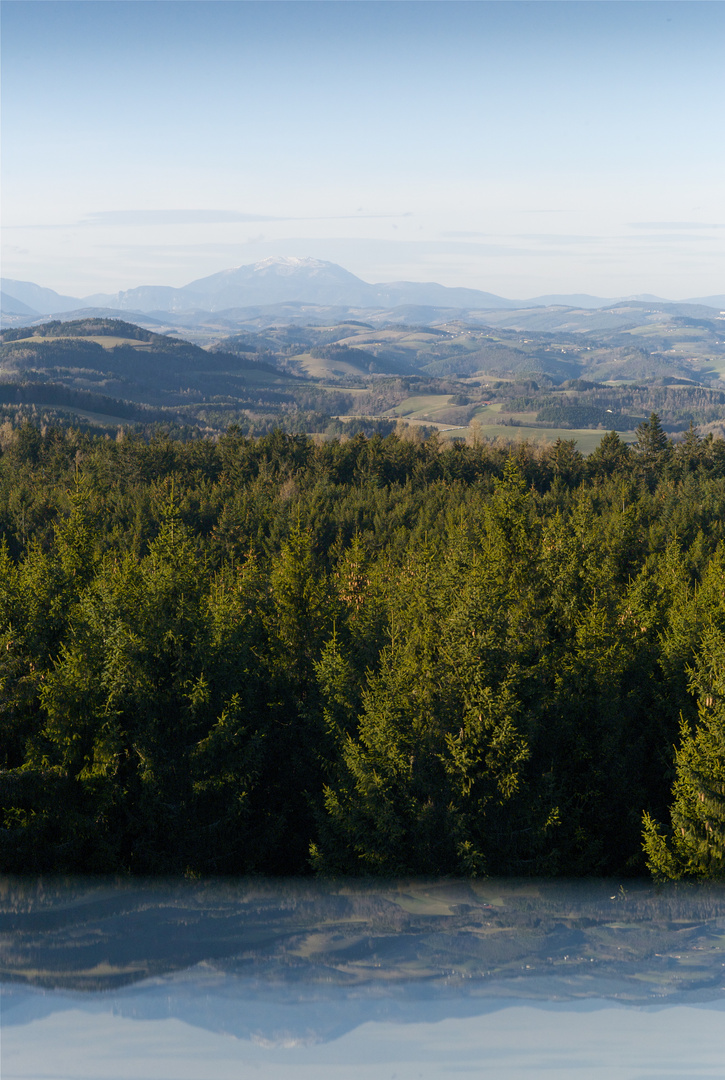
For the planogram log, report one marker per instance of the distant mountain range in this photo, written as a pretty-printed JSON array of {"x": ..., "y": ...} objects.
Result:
[{"x": 290, "y": 280}]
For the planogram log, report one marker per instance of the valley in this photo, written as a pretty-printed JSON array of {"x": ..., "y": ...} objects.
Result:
[{"x": 584, "y": 374}]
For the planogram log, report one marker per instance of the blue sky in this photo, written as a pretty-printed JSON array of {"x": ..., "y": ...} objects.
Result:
[{"x": 522, "y": 148}]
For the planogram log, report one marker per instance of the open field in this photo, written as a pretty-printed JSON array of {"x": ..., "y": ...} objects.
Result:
[
  {"x": 324, "y": 367},
  {"x": 98, "y": 418},
  {"x": 422, "y": 406},
  {"x": 412, "y": 339},
  {"x": 247, "y": 374},
  {"x": 105, "y": 341},
  {"x": 412, "y": 421},
  {"x": 306, "y": 375},
  {"x": 716, "y": 366},
  {"x": 586, "y": 439}
]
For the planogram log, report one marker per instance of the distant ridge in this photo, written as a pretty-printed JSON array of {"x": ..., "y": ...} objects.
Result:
[
  {"x": 584, "y": 300},
  {"x": 13, "y": 306},
  {"x": 287, "y": 279},
  {"x": 717, "y": 301},
  {"x": 40, "y": 300}
]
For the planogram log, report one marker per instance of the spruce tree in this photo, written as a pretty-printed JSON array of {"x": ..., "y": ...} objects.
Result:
[
  {"x": 652, "y": 446},
  {"x": 696, "y": 846}
]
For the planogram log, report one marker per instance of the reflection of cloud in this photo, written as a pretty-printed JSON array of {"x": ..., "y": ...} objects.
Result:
[{"x": 675, "y": 225}]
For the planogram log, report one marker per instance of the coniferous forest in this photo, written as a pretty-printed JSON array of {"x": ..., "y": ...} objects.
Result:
[{"x": 373, "y": 656}]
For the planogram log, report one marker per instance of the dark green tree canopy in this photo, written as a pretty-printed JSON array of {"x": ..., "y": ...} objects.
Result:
[{"x": 362, "y": 656}]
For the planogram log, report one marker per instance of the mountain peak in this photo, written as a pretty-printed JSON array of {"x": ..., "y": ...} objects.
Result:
[
  {"x": 281, "y": 279},
  {"x": 292, "y": 261},
  {"x": 285, "y": 265}
]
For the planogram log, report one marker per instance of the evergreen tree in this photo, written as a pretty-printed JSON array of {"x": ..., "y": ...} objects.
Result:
[
  {"x": 651, "y": 440},
  {"x": 611, "y": 456},
  {"x": 695, "y": 846},
  {"x": 396, "y": 656},
  {"x": 652, "y": 447}
]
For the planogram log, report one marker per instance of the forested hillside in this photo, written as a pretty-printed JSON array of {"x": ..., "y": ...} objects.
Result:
[
  {"x": 349, "y": 376},
  {"x": 372, "y": 656}
]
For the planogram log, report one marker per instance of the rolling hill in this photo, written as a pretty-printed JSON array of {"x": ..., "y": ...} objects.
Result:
[
  {"x": 508, "y": 381},
  {"x": 122, "y": 372}
]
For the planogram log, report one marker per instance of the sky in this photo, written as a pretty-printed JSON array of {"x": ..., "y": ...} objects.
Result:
[{"x": 522, "y": 148}]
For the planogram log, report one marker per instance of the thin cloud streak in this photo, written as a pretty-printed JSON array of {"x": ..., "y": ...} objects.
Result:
[
  {"x": 146, "y": 218},
  {"x": 544, "y": 238},
  {"x": 675, "y": 225},
  {"x": 174, "y": 217},
  {"x": 211, "y": 217}
]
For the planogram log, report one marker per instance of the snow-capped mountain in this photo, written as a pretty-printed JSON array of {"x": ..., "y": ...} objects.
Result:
[
  {"x": 277, "y": 280},
  {"x": 287, "y": 279}
]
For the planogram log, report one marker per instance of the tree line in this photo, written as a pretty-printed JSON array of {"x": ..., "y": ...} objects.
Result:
[{"x": 361, "y": 656}]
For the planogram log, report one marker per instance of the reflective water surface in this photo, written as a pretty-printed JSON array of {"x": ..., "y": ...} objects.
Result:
[{"x": 108, "y": 981}]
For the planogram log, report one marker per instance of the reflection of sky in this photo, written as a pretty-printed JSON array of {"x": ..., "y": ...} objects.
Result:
[
  {"x": 499, "y": 979},
  {"x": 587, "y": 1041}
]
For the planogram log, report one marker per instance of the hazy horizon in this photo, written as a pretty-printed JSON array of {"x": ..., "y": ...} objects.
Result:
[
  {"x": 305, "y": 287},
  {"x": 522, "y": 149}
]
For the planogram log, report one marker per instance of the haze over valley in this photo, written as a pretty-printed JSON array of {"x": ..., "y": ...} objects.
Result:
[{"x": 306, "y": 343}]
